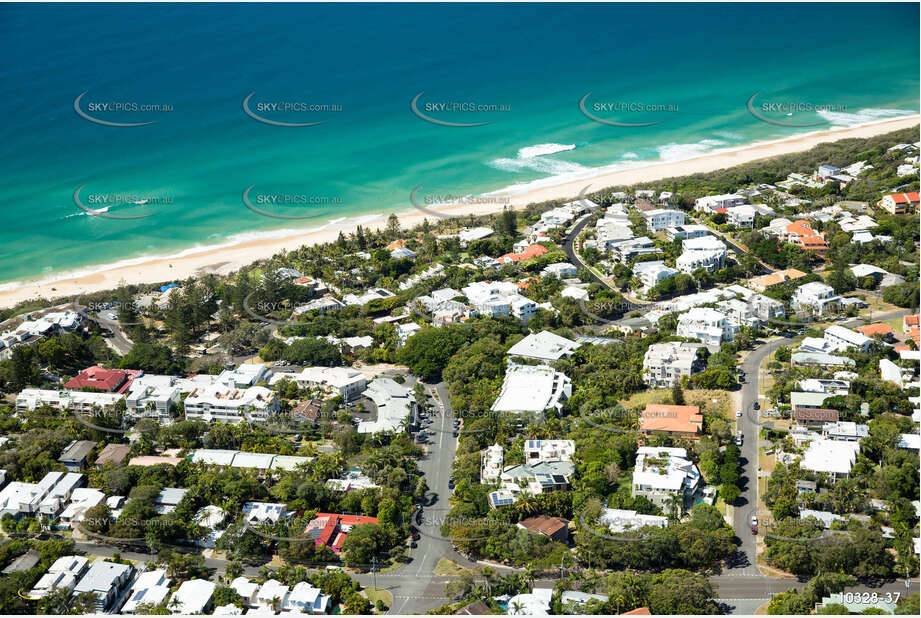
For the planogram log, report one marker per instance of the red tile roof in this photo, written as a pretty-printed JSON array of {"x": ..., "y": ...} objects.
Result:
[
  {"x": 106, "y": 380},
  {"x": 876, "y": 329},
  {"x": 330, "y": 527},
  {"x": 544, "y": 524},
  {"x": 905, "y": 198},
  {"x": 677, "y": 419},
  {"x": 532, "y": 251}
]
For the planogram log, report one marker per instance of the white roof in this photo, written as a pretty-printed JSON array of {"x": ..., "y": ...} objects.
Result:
[
  {"x": 832, "y": 456},
  {"x": 192, "y": 596},
  {"x": 530, "y": 388},
  {"x": 620, "y": 520},
  {"x": 149, "y": 587},
  {"x": 543, "y": 346},
  {"x": 848, "y": 335},
  {"x": 677, "y": 472},
  {"x": 702, "y": 243}
]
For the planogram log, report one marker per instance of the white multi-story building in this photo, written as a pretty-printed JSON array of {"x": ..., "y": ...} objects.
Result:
[
  {"x": 619, "y": 520},
  {"x": 681, "y": 232},
  {"x": 652, "y": 273},
  {"x": 77, "y": 401},
  {"x": 664, "y": 363},
  {"x": 840, "y": 338},
  {"x": 537, "y": 451},
  {"x": 742, "y": 216},
  {"x": 247, "y": 374},
  {"x": 220, "y": 402},
  {"x": 662, "y": 472},
  {"x": 152, "y": 396},
  {"x": 706, "y": 324},
  {"x": 344, "y": 381},
  {"x": 625, "y": 250},
  {"x": 740, "y": 313},
  {"x": 702, "y": 252},
  {"x": 105, "y": 580},
  {"x": 543, "y": 346},
  {"x": 711, "y": 203},
  {"x": 394, "y": 403},
  {"x": 491, "y": 461},
  {"x": 659, "y": 219},
  {"x": 150, "y": 588},
  {"x": 560, "y": 270},
  {"x": 815, "y": 297},
  {"x": 532, "y": 388}
]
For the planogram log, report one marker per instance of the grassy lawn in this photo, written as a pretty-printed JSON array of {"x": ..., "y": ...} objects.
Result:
[
  {"x": 703, "y": 398},
  {"x": 376, "y": 594},
  {"x": 448, "y": 568}
]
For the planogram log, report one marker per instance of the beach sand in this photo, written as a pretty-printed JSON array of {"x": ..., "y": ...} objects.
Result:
[{"x": 226, "y": 259}]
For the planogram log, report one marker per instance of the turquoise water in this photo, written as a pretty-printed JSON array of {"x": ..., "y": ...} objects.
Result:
[{"x": 371, "y": 60}]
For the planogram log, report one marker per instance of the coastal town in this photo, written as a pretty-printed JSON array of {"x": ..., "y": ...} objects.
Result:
[{"x": 695, "y": 395}]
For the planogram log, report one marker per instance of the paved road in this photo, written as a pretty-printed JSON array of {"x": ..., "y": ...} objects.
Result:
[{"x": 747, "y": 502}]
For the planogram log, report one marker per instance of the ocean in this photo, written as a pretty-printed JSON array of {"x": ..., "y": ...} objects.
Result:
[{"x": 77, "y": 193}]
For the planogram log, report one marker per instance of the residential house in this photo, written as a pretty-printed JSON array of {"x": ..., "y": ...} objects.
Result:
[
  {"x": 706, "y": 252},
  {"x": 678, "y": 421},
  {"x": 544, "y": 346},
  {"x": 105, "y": 580},
  {"x": 708, "y": 325},
  {"x": 555, "y": 528},
  {"x": 815, "y": 297},
  {"x": 663, "y": 474},
  {"x": 343, "y": 381},
  {"x": 491, "y": 462},
  {"x": 537, "y": 451},
  {"x": 831, "y": 457},
  {"x": 899, "y": 203},
  {"x": 149, "y": 588},
  {"x": 658, "y": 219},
  {"x": 193, "y": 597},
  {"x": 112, "y": 454},
  {"x": 765, "y": 281},
  {"x": 102, "y": 380},
  {"x": 712, "y": 204},
  {"x": 652, "y": 273},
  {"x": 681, "y": 232},
  {"x": 665, "y": 363},
  {"x": 841, "y": 338},
  {"x": 75, "y": 454},
  {"x": 331, "y": 529}
]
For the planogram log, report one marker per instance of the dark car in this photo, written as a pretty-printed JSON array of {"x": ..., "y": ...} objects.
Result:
[
  {"x": 416, "y": 536},
  {"x": 756, "y": 406}
]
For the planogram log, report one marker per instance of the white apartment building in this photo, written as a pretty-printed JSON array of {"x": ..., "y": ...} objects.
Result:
[
  {"x": 538, "y": 451},
  {"x": 706, "y": 324},
  {"x": 663, "y": 472},
  {"x": 741, "y": 216},
  {"x": 220, "y": 402},
  {"x": 625, "y": 250},
  {"x": 247, "y": 374},
  {"x": 681, "y": 232},
  {"x": 343, "y": 381},
  {"x": 664, "y": 363},
  {"x": 560, "y": 270},
  {"x": 491, "y": 298},
  {"x": 840, "y": 338},
  {"x": 815, "y": 297},
  {"x": 532, "y": 388},
  {"x": 193, "y": 597},
  {"x": 740, "y": 313},
  {"x": 152, "y": 396},
  {"x": 77, "y": 401},
  {"x": 702, "y": 252},
  {"x": 150, "y": 587},
  {"x": 105, "y": 580},
  {"x": 394, "y": 403},
  {"x": 711, "y": 203},
  {"x": 659, "y": 219},
  {"x": 543, "y": 346},
  {"x": 62, "y": 575},
  {"x": 652, "y": 273}
]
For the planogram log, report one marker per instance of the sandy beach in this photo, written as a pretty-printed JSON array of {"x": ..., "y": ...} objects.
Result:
[{"x": 226, "y": 259}]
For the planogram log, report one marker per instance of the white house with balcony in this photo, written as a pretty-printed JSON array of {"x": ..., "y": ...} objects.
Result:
[
  {"x": 152, "y": 396},
  {"x": 664, "y": 473},
  {"x": 702, "y": 252},
  {"x": 815, "y": 297},
  {"x": 706, "y": 324},
  {"x": 221, "y": 402},
  {"x": 532, "y": 388},
  {"x": 652, "y": 273},
  {"x": 659, "y": 219},
  {"x": 711, "y": 203},
  {"x": 665, "y": 363}
]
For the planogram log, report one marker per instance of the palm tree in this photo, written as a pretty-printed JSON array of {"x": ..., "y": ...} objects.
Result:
[
  {"x": 529, "y": 575},
  {"x": 516, "y": 608}
]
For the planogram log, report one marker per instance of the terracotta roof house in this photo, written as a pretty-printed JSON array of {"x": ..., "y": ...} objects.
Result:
[
  {"x": 639, "y": 611},
  {"x": 682, "y": 420},
  {"x": 556, "y": 528},
  {"x": 910, "y": 321},
  {"x": 105, "y": 380},
  {"x": 883, "y": 330},
  {"x": 113, "y": 454},
  {"x": 799, "y": 233},
  {"x": 529, "y": 252},
  {"x": 331, "y": 529},
  {"x": 819, "y": 416},
  {"x": 781, "y": 276},
  {"x": 899, "y": 203},
  {"x": 643, "y": 205},
  {"x": 307, "y": 410},
  {"x": 399, "y": 243}
]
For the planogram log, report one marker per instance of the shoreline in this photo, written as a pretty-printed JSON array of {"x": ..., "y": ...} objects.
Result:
[{"x": 231, "y": 255}]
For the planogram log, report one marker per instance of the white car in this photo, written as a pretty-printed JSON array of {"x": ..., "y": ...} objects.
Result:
[{"x": 739, "y": 414}]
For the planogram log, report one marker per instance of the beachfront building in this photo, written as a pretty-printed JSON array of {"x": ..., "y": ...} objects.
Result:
[
  {"x": 702, "y": 252},
  {"x": 665, "y": 363},
  {"x": 663, "y": 473},
  {"x": 343, "y": 381},
  {"x": 652, "y": 273},
  {"x": 532, "y": 388},
  {"x": 815, "y": 297},
  {"x": 713, "y": 204},
  {"x": 706, "y": 324},
  {"x": 224, "y": 403},
  {"x": 659, "y": 219}
]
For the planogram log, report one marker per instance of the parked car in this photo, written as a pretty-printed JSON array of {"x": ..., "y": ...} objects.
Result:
[{"x": 738, "y": 413}]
